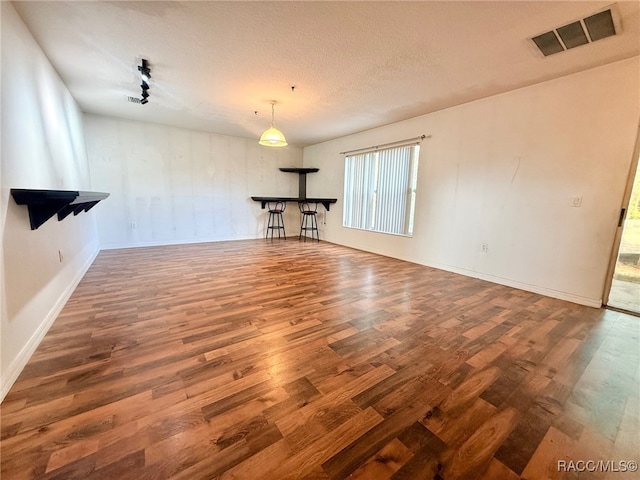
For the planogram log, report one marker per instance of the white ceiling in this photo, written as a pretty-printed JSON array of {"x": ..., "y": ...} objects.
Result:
[{"x": 355, "y": 65}]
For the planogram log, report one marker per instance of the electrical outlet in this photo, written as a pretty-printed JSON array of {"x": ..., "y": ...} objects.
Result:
[
  {"x": 484, "y": 247},
  {"x": 133, "y": 225},
  {"x": 576, "y": 201},
  {"x": 60, "y": 256}
]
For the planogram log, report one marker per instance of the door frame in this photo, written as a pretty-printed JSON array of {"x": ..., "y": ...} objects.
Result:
[{"x": 615, "y": 249}]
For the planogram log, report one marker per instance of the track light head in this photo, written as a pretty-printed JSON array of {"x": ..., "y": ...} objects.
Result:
[
  {"x": 145, "y": 71},
  {"x": 145, "y": 94},
  {"x": 144, "y": 101}
]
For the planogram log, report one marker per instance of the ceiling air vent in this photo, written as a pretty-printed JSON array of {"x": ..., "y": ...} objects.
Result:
[
  {"x": 600, "y": 25},
  {"x": 134, "y": 100},
  {"x": 595, "y": 27}
]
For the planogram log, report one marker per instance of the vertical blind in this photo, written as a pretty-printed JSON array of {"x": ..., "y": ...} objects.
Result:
[{"x": 379, "y": 190}]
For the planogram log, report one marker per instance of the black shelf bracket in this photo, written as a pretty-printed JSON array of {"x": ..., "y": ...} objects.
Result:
[
  {"x": 302, "y": 178},
  {"x": 44, "y": 204}
]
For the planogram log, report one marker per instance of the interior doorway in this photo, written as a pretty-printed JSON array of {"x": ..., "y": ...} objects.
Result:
[{"x": 624, "y": 291}]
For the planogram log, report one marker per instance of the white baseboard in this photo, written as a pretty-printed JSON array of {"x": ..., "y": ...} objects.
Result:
[
  {"x": 161, "y": 243},
  {"x": 17, "y": 365},
  {"x": 547, "y": 292}
]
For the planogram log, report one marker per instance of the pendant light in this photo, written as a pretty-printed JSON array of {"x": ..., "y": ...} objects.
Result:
[{"x": 272, "y": 137}]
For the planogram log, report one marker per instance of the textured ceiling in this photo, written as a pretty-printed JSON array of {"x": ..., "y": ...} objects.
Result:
[{"x": 355, "y": 65}]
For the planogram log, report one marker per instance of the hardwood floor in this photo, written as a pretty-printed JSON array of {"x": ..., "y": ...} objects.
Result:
[{"x": 261, "y": 360}]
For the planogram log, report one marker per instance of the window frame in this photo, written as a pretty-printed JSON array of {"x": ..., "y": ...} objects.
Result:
[{"x": 366, "y": 184}]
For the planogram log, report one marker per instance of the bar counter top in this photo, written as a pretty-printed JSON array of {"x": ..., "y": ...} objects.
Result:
[{"x": 326, "y": 202}]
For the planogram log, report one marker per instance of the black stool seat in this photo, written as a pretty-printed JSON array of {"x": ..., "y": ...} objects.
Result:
[
  {"x": 309, "y": 221},
  {"x": 276, "y": 220}
]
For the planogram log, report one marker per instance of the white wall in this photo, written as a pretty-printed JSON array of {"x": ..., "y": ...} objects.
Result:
[
  {"x": 42, "y": 148},
  {"x": 182, "y": 186},
  {"x": 503, "y": 171}
]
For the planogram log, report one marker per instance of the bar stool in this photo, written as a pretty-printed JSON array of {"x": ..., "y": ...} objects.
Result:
[
  {"x": 276, "y": 220},
  {"x": 308, "y": 215}
]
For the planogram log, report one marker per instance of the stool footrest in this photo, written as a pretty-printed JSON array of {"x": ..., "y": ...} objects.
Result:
[
  {"x": 309, "y": 216},
  {"x": 275, "y": 222}
]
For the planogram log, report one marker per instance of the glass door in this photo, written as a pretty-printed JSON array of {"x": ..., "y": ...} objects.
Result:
[{"x": 625, "y": 284}]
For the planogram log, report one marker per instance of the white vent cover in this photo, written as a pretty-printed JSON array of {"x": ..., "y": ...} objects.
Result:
[
  {"x": 134, "y": 100},
  {"x": 586, "y": 30}
]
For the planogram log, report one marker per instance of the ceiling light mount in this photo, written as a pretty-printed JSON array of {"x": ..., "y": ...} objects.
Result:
[{"x": 272, "y": 137}]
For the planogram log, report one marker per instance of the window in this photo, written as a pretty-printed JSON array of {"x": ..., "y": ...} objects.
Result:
[{"x": 380, "y": 190}]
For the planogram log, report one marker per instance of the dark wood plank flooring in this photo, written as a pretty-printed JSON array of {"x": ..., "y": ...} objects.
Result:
[{"x": 273, "y": 360}]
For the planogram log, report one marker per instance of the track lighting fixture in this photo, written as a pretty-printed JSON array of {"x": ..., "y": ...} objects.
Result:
[{"x": 145, "y": 74}]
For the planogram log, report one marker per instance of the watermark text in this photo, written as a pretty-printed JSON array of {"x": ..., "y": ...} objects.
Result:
[{"x": 612, "y": 466}]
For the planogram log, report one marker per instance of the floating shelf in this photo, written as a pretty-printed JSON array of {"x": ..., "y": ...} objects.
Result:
[
  {"x": 299, "y": 170},
  {"x": 44, "y": 204}
]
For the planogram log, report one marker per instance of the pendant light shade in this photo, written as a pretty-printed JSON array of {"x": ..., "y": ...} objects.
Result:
[{"x": 272, "y": 137}]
